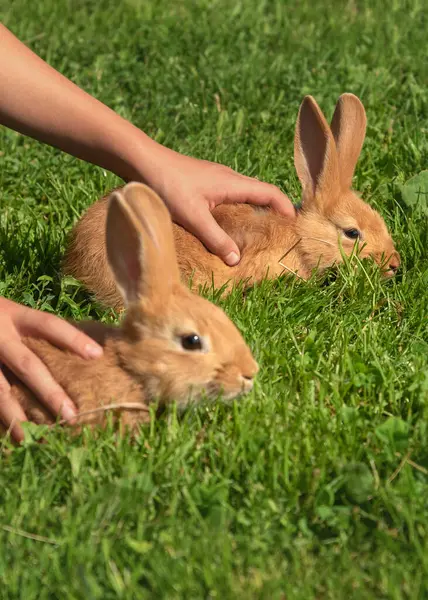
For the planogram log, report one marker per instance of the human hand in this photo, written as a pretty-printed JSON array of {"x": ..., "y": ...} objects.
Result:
[
  {"x": 40, "y": 102},
  {"x": 192, "y": 188},
  {"x": 17, "y": 321}
]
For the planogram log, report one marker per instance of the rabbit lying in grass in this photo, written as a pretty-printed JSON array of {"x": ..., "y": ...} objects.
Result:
[
  {"x": 332, "y": 219},
  {"x": 171, "y": 345}
]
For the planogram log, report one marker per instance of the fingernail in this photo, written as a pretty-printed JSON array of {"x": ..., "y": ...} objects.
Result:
[
  {"x": 17, "y": 433},
  {"x": 93, "y": 351},
  {"x": 232, "y": 259},
  {"x": 68, "y": 412}
]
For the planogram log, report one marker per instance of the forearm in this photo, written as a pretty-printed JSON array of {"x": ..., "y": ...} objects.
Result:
[{"x": 39, "y": 102}]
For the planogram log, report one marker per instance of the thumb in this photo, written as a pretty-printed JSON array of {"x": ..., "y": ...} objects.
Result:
[{"x": 215, "y": 238}]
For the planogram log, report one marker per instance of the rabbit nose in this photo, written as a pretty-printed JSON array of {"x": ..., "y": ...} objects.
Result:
[
  {"x": 394, "y": 263},
  {"x": 247, "y": 382},
  {"x": 247, "y": 377}
]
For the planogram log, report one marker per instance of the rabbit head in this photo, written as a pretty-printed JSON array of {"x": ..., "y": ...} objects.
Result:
[
  {"x": 179, "y": 345},
  {"x": 332, "y": 218}
]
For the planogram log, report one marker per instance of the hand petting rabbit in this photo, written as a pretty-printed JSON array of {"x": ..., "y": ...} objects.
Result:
[
  {"x": 332, "y": 219},
  {"x": 171, "y": 345}
]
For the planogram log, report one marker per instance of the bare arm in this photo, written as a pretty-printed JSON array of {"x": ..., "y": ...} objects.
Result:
[{"x": 38, "y": 101}]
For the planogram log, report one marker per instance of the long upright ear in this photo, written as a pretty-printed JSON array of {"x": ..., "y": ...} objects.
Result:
[
  {"x": 140, "y": 244},
  {"x": 315, "y": 155},
  {"x": 349, "y": 130}
]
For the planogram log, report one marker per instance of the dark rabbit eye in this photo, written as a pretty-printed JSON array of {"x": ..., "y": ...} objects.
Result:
[
  {"x": 352, "y": 234},
  {"x": 191, "y": 342}
]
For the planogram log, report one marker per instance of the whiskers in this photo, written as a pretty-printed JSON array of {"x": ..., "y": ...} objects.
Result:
[
  {"x": 315, "y": 239},
  {"x": 285, "y": 255},
  {"x": 320, "y": 240},
  {"x": 103, "y": 409}
]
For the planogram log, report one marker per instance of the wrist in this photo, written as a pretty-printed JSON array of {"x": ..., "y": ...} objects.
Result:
[{"x": 135, "y": 156}]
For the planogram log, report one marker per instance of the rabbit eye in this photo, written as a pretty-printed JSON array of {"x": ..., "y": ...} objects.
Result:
[
  {"x": 191, "y": 342},
  {"x": 352, "y": 234}
]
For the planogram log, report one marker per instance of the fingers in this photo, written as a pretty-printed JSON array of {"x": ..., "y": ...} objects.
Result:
[
  {"x": 239, "y": 189},
  {"x": 11, "y": 413},
  {"x": 17, "y": 321},
  {"x": 206, "y": 228},
  {"x": 36, "y": 376},
  {"x": 58, "y": 332},
  {"x": 247, "y": 189}
]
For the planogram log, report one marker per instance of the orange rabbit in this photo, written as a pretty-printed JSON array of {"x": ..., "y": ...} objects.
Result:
[
  {"x": 332, "y": 219},
  {"x": 172, "y": 344}
]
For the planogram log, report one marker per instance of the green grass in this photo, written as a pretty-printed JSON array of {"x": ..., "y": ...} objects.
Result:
[{"x": 316, "y": 485}]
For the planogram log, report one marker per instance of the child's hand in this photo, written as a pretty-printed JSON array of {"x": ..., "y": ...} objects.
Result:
[
  {"x": 40, "y": 102},
  {"x": 191, "y": 188},
  {"x": 17, "y": 321}
]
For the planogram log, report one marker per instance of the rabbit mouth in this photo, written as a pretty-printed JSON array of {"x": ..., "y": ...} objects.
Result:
[
  {"x": 390, "y": 269},
  {"x": 243, "y": 386},
  {"x": 208, "y": 395},
  {"x": 217, "y": 390}
]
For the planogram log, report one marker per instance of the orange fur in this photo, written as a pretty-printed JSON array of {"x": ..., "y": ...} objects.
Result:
[
  {"x": 144, "y": 359},
  {"x": 325, "y": 158}
]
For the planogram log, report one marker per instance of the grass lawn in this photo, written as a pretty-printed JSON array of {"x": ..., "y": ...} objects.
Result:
[{"x": 316, "y": 484}]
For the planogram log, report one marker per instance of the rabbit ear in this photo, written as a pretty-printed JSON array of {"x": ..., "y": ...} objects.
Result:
[
  {"x": 140, "y": 245},
  {"x": 315, "y": 155},
  {"x": 349, "y": 130}
]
